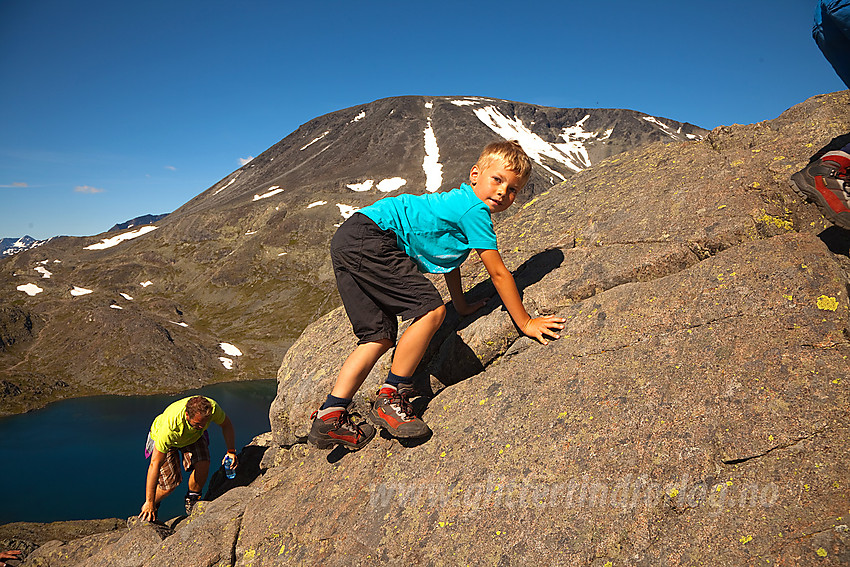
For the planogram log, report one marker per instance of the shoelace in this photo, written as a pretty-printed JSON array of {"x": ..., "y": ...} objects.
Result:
[
  {"x": 400, "y": 403},
  {"x": 345, "y": 420}
]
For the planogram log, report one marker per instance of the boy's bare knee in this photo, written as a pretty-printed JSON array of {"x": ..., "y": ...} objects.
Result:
[{"x": 438, "y": 315}]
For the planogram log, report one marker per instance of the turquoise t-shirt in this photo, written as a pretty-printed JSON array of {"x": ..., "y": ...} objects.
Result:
[
  {"x": 437, "y": 230},
  {"x": 170, "y": 430}
]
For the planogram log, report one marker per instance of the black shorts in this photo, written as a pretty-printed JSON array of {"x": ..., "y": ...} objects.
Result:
[{"x": 378, "y": 281}]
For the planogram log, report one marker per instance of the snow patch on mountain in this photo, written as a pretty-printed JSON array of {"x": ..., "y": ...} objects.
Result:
[
  {"x": 359, "y": 117},
  {"x": 432, "y": 166},
  {"x": 385, "y": 186},
  {"x": 230, "y": 350},
  {"x": 571, "y": 153},
  {"x": 317, "y": 204},
  {"x": 346, "y": 210},
  {"x": 317, "y": 138},
  {"x": 29, "y": 289},
  {"x": 45, "y": 273},
  {"x": 391, "y": 184},
  {"x": 78, "y": 291},
  {"x": 675, "y": 134},
  {"x": 270, "y": 192},
  {"x": 361, "y": 187},
  {"x": 229, "y": 183},
  {"x": 116, "y": 240}
]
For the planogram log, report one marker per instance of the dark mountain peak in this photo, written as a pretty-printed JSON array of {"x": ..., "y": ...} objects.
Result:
[
  {"x": 138, "y": 221},
  {"x": 426, "y": 143}
]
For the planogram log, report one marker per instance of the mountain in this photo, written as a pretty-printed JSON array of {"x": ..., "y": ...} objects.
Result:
[
  {"x": 138, "y": 221},
  {"x": 244, "y": 267},
  {"x": 9, "y": 246},
  {"x": 694, "y": 411}
]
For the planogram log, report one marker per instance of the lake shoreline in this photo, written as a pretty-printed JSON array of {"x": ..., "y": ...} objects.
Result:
[{"x": 45, "y": 401}]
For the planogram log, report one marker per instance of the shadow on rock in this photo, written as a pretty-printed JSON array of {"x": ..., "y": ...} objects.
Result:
[
  {"x": 834, "y": 144},
  {"x": 247, "y": 471},
  {"x": 529, "y": 273},
  {"x": 837, "y": 240}
]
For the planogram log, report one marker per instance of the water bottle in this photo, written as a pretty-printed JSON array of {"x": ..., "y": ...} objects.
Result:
[{"x": 228, "y": 469}]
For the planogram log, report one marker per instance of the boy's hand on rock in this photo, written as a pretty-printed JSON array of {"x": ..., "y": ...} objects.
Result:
[{"x": 541, "y": 327}]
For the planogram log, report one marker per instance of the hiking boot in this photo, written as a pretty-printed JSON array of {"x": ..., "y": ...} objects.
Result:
[
  {"x": 393, "y": 412},
  {"x": 191, "y": 500},
  {"x": 335, "y": 426},
  {"x": 823, "y": 182}
]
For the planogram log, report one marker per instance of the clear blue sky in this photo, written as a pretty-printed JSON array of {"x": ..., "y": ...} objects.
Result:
[{"x": 112, "y": 109}]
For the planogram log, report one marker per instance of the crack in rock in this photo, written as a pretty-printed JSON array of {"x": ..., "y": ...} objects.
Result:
[{"x": 774, "y": 448}]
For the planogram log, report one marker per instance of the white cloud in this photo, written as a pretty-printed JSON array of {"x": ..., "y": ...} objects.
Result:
[
  {"x": 245, "y": 160},
  {"x": 87, "y": 189},
  {"x": 170, "y": 168},
  {"x": 17, "y": 185}
]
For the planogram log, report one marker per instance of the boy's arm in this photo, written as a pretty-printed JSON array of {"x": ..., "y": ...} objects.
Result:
[
  {"x": 456, "y": 291},
  {"x": 535, "y": 327},
  {"x": 148, "y": 513}
]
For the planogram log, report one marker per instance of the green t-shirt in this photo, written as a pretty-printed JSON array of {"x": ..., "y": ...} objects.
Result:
[{"x": 170, "y": 430}]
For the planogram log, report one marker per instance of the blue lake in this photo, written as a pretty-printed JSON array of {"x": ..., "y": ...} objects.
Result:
[{"x": 84, "y": 458}]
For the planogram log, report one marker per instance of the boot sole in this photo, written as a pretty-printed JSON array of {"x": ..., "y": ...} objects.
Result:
[
  {"x": 803, "y": 191},
  {"x": 331, "y": 443},
  {"x": 378, "y": 421}
]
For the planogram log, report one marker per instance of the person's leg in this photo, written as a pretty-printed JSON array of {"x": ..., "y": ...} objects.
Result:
[
  {"x": 357, "y": 366},
  {"x": 196, "y": 458},
  {"x": 415, "y": 340},
  {"x": 392, "y": 409},
  {"x": 198, "y": 478}
]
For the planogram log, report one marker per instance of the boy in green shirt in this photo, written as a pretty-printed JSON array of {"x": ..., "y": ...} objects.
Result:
[{"x": 182, "y": 427}]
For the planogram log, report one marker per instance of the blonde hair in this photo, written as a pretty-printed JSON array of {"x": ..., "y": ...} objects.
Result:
[{"x": 511, "y": 153}]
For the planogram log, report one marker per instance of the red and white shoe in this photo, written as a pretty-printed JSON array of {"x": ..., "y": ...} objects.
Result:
[{"x": 825, "y": 183}]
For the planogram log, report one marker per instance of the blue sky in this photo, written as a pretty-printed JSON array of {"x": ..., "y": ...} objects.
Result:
[{"x": 111, "y": 109}]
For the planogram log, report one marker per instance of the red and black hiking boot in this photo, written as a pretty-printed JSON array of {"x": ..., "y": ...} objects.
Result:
[
  {"x": 393, "y": 412},
  {"x": 824, "y": 182},
  {"x": 335, "y": 426}
]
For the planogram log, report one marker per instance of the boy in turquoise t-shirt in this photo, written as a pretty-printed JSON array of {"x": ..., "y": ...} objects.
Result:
[{"x": 379, "y": 255}]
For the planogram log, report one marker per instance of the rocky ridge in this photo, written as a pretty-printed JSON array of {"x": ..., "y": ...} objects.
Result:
[{"x": 694, "y": 412}]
